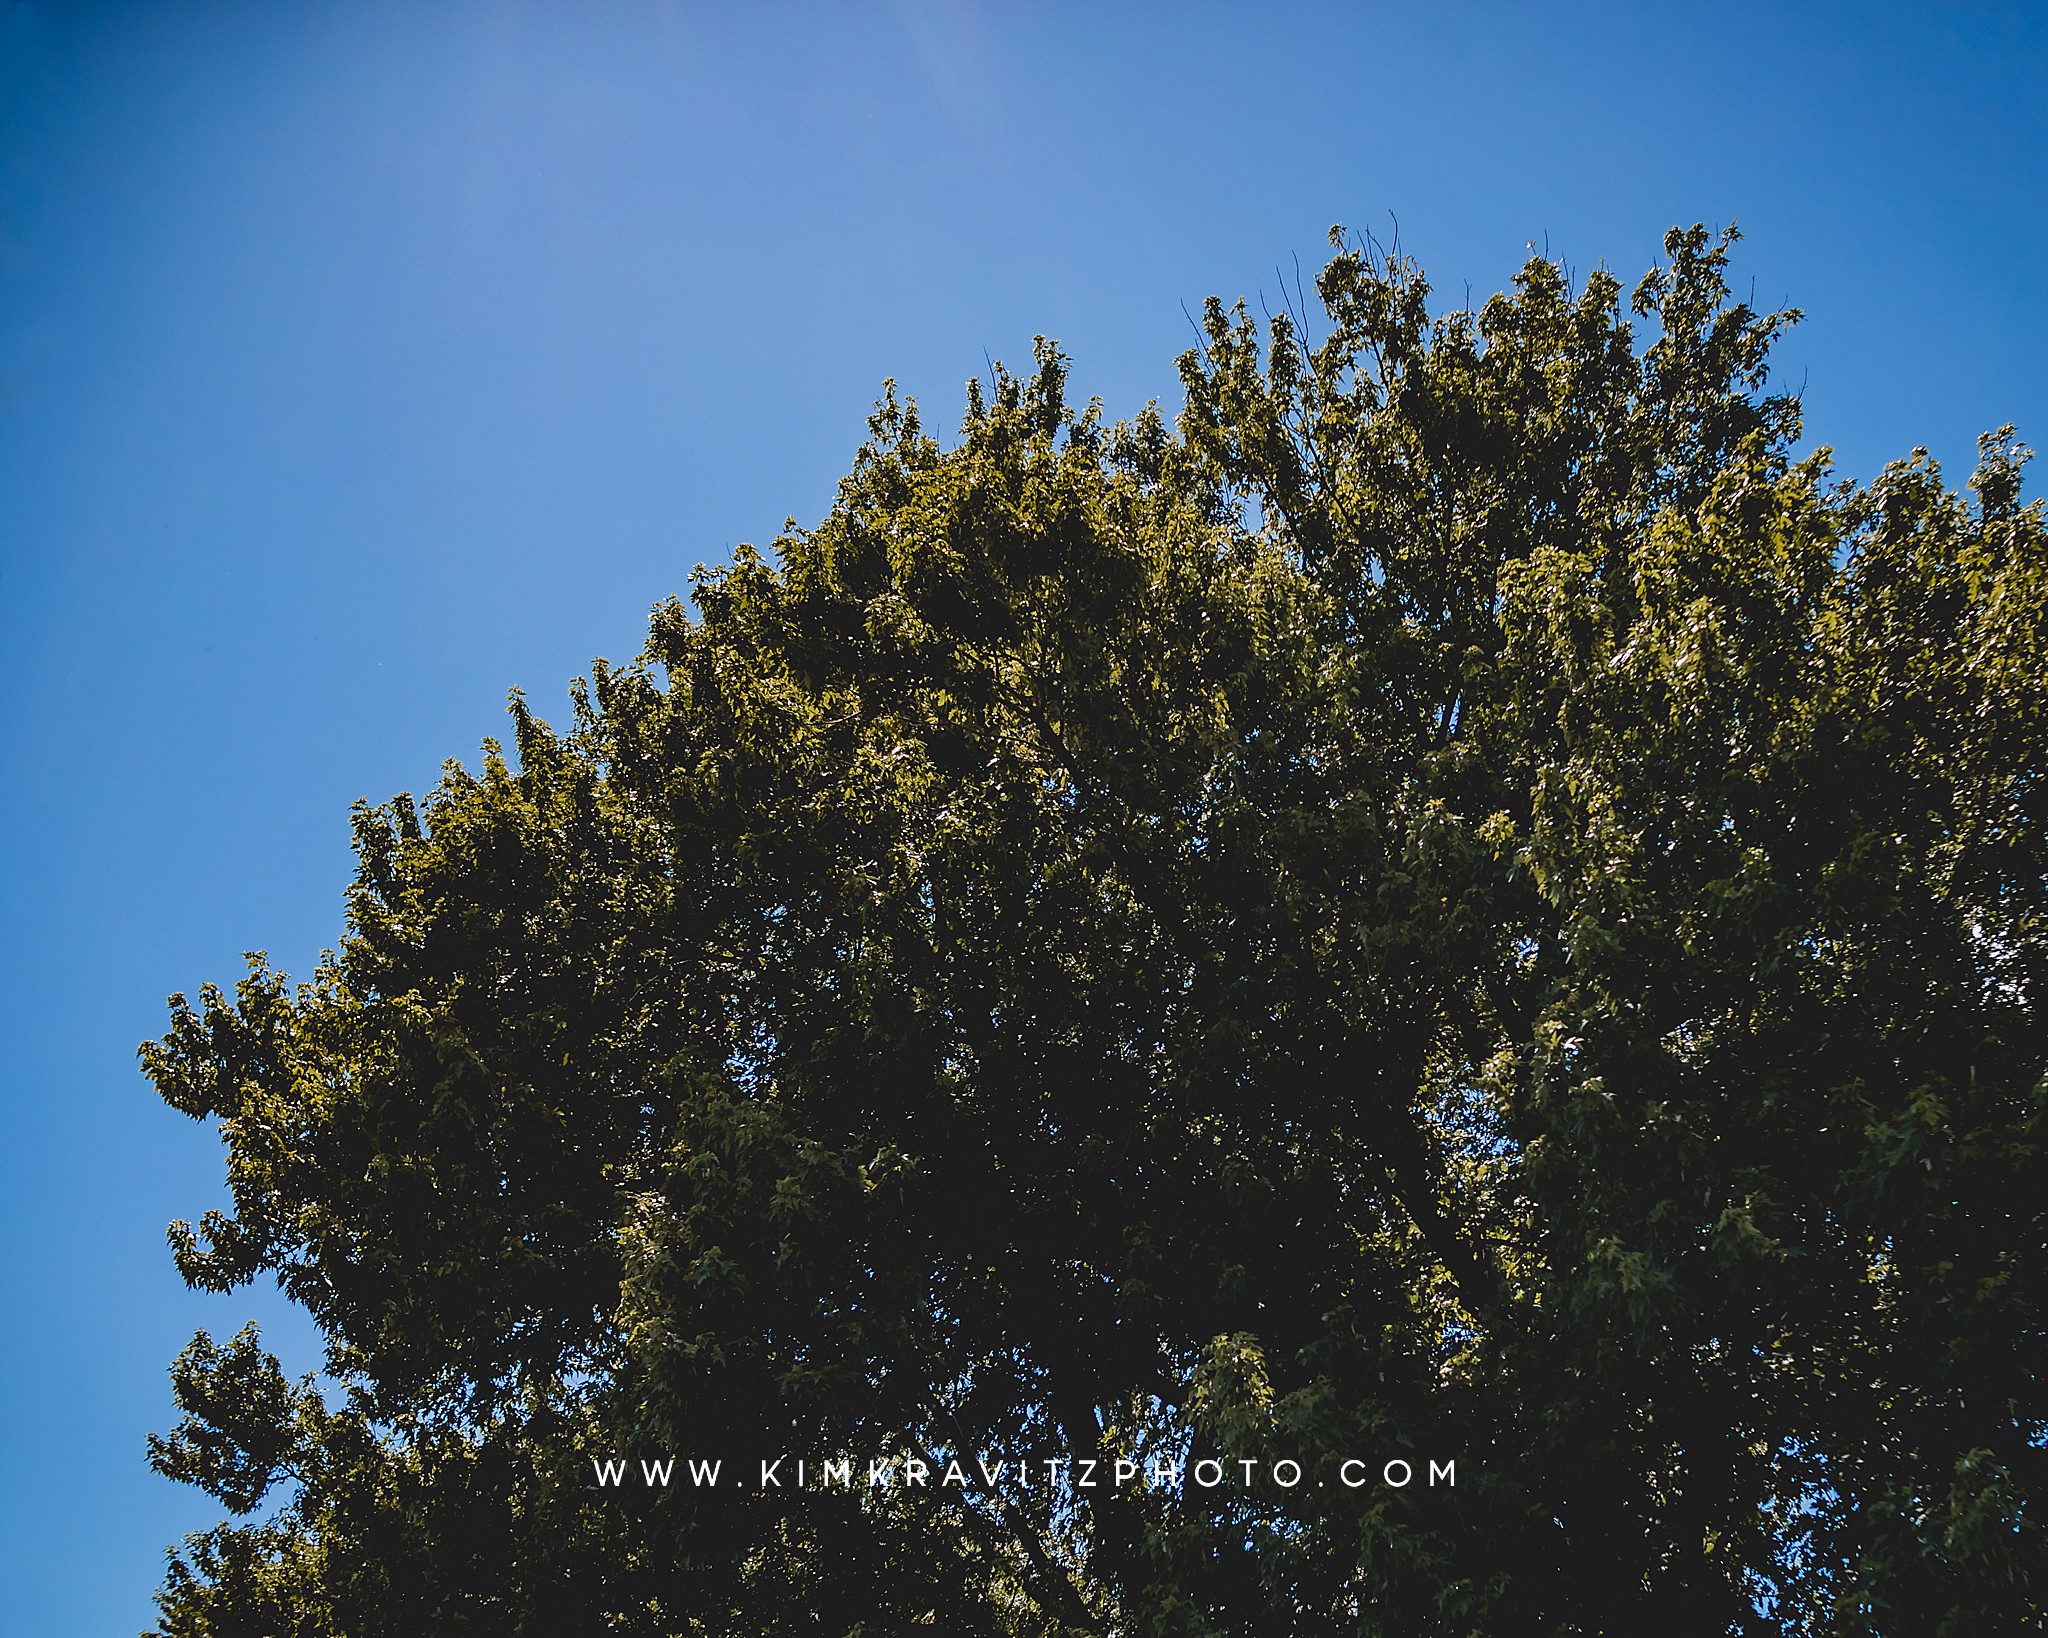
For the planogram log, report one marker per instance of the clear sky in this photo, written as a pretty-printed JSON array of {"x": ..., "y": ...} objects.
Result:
[{"x": 359, "y": 362}]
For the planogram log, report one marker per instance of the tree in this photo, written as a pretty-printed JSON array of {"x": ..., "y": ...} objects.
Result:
[{"x": 1463, "y": 903}]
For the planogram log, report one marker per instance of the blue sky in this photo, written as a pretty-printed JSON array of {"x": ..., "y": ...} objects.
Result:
[{"x": 361, "y": 362}]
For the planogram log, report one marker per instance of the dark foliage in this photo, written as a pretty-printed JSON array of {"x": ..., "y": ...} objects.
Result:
[{"x": 1462, "y": 903}]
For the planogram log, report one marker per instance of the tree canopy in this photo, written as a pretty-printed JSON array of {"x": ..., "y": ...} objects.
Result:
[{"x": 1461, "y": 901}]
